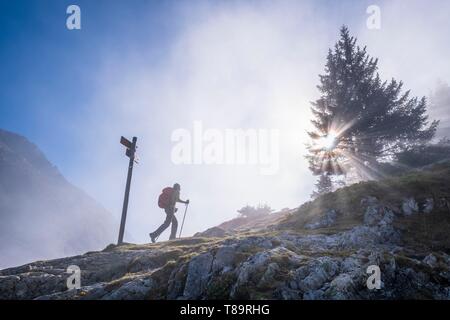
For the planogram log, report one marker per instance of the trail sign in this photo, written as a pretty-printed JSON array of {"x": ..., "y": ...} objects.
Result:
[
  {"x": 130, "y": 152},
  {"x": 127, "y": 143}
]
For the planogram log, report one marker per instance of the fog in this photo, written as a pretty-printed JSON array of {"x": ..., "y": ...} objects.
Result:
[
  {"x": 238, "y": 65},
  {"x": 42, "y": 216}
]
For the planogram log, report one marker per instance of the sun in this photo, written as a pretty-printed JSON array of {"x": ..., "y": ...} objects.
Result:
[{"x": 327, "y": 142}]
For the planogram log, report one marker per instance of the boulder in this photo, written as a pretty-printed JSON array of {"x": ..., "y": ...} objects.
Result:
[
  {"x": 410, "y": 206},
  {"x": 136, "y": 289},
  {"x": 224, "y": 258},
  {"x": 314, "y": 275},
  {"x": 198, "y": 275},
  {"x": 326, "y": 221},
  {"x": 430, "y": 260}
]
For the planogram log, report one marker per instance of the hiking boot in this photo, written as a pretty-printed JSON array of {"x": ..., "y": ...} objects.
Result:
[{"x": 152, "y": 237}]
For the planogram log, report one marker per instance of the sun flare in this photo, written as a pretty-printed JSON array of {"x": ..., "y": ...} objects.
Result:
[{"x": 327, "y": 142}]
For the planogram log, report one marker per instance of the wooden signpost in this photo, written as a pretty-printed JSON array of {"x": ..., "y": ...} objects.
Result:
[{"x": 130, "y": 153}]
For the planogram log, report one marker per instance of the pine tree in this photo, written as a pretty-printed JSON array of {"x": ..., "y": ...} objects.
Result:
[
  {"x": 360, "y": 119},
  {"x": 323, "y": 185}
]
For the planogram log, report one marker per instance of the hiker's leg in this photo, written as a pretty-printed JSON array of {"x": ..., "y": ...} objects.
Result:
[
  {"x": 173, "y": 234},
  {"x": 165, "y": 224}
]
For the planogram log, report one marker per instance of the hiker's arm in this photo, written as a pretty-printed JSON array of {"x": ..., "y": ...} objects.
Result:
[
  {"x": 185, "y": 202},
  {"x": 179, "y": 200}
]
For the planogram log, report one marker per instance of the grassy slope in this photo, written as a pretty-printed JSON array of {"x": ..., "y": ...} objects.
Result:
[{"x": 429, "y": 229}]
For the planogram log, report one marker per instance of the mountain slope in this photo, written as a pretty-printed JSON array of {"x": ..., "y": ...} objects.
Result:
[
  {"x": 240, "y": 224},
  {"x": 321, "y": 251},
  {"x": 41, "y": 214}
]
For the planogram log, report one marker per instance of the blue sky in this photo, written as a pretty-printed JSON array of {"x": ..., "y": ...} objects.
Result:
[
  {"x": 47, "y": 70},
  {"x": 146, "y": 68}
]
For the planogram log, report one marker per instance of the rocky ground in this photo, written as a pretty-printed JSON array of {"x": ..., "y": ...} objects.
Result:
[{"x": 305, "y": 256}]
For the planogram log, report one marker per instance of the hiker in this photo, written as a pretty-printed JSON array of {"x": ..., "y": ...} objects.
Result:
[{"x": 167, "y": 201}]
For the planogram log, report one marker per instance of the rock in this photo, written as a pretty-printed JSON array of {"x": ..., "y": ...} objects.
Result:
[
  {"x": 376, "y": 214},
  {"x": 444, "y": 204},
  {"x": 288, "y": 294},
  {"x": 8, "y": 286},
  {"x": 409, "y": 206},
  {"x": 96, "y": 291},
  {"x": 342, "y": 287},
  {"x": 313, "y": 295},
  {"x": 34, "y": 284},
  {"x": 198, "y": 275},
  {"x": 342, "y": 282},
  {"x": 312, "y": 276},
  {"x": 428, "y": 205},
  {"x": 377, "y": 229},
  {"x": 249, "y": 267},
  {"x": 372, "y": 216},
  {"x": 430, "y": 260},
  {"x": 177, "y": 280},
  {"x": 224, "y": 258},
  {"x": 351, "y": 264},
  {"x": 374, "y": 211},
  {"x": 268, "y": 277},
  {"x": 326, "y": 221},
  {"x": 363, "y": 236},
  {"x": 136, "y": 289},
  {"x": 259, "y": 270}
]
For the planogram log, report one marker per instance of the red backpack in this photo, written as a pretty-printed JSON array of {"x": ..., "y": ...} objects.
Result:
[{"x": 165, "y": 198}]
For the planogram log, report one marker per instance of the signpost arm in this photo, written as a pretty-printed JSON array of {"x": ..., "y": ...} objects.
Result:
[{"x": 127, "y": 192}]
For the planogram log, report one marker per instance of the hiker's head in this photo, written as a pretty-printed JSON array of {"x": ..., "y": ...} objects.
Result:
[{"x": 176, "y": 186}]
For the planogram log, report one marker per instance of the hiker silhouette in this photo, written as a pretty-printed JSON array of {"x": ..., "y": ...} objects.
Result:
[{"x": 167, "y": 201}]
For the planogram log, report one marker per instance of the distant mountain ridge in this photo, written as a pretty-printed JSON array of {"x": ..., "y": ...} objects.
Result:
[{"x": 42, "y": 215}]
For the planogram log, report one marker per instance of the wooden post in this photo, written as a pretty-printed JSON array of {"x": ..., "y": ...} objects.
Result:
[{"x": 130, "y": 152}]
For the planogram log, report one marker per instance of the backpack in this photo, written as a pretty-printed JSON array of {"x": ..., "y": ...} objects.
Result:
[{"x": 165, "y": 198}]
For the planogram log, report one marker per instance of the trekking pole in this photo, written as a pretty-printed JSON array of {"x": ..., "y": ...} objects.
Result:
[{"x": 182, "y": 224}]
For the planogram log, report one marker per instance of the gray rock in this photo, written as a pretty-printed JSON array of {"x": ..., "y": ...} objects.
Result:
[
  {"x": 351, "y": 264},
  {"x": 428, "y": 205},
  {"x": 8, "y": 286},
  {"x": 313, "y": 276},
  {"x": 198, "y": 275},
  {"x": 376, "y": 213},
  {"x": 362, "y": 236},
  {"x": 326, "y": 221},
  {"x": 225, "y": 257},
  {"x": 342, "y": 287},
  {"x": 431, "y": 260},
  {"x": 96, "y": 291},
  {"x": 409, "y": 206},
  {"x": 268, "y": 277},
  {"x": 136, "y": 289},
  {"x": 254, "y": 263},
  {"x": 176, "y": 282},
  {"x": 313, "y": 295},
  {"x": 289, "y": 294}
]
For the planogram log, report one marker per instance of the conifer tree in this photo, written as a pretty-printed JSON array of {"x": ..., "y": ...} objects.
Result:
[{"x": 360, "y": 119}]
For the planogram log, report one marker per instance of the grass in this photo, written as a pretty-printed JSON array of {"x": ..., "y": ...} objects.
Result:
[
  {"x": 427, "y": 230},
  {"x": 431, "y": 183}
]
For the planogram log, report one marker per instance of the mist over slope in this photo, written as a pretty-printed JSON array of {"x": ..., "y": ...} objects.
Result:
[
  {"x": 42, "y": 215},
  {"x": 322, "y": 250}
]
